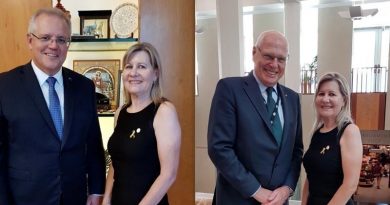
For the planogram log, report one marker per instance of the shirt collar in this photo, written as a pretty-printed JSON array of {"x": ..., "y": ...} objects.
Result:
[{"x": 42, "y": 76}]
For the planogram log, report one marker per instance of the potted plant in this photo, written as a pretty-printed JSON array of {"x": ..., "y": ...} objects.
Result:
[{"x": 309, "y": 76}]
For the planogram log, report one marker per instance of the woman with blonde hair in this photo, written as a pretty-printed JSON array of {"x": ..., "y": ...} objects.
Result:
[
  {"x": 145, "y": 145},
  {"x": 333, "y": 159}
]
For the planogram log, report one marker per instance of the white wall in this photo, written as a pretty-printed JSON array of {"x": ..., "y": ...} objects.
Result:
[
  {"x": 207, "y": 57},
  {"x": 107, "y": 128},
  {"x": 269, "y": 21},
  {"x": 334, "y": 42},
  {"x": 307, "y": 122}
]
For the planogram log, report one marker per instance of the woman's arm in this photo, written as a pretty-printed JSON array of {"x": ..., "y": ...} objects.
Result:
[
  {"x": 168, "y": 135},
  {"x": 109, "y": 185},
  {"x": 305, "y": 192},
  {"x": 351, "y": 156}
]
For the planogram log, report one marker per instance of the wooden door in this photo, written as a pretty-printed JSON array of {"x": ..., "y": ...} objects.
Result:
[
  {"x": 13, "y": 29},
  {"x": 170, "y": 26}
]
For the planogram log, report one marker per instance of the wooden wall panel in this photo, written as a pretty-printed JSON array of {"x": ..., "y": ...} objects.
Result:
[
  {"x": 368, "y": 110},
  {"x": 13, "y": 29},
  {"x": 170, "y": 26},
  {"x": 382, "y": 111}
]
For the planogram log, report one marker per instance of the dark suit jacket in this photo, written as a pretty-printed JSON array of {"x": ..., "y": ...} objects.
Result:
[
  {"x": 36, "y": 168},
  {"x": 242, "y": 146}
]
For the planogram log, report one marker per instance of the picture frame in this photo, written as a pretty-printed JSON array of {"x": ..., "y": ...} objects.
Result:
[
  {"x": 120, "y": 94},
  {"x": 95, "y": 23},
  {"x": 105, "y": 75}
]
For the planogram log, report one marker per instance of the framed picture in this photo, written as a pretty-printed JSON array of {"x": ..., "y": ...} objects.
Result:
[
  {"x": 374, "y": 184},
  {"x": 105, "y": 75},
  {"x": 95, "y": 23},
  {"x": 120, "y": 94}
]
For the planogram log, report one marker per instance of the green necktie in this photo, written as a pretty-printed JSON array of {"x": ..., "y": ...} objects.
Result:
[{"x": 273, "y": 115}]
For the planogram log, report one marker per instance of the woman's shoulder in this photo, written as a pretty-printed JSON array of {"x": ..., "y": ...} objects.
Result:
[
  {"x": 166, "y": 115},
  {"x": 166, "y": 107},
  {"x": 352, "y": 128},
  {"x": 351, "y": 133}
]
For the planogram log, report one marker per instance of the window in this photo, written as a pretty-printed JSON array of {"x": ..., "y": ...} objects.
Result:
[
  {"x": 309, "y": 45},
  {"x": 370, "y": 59},
  {"x": 370, "y": 53},
  {"x": 247, "y": 19}
]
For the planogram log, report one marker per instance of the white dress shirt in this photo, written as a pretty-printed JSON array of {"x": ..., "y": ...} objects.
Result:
[{"x": 59, "y": 86}]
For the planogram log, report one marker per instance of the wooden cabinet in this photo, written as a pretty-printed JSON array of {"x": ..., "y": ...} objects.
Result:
[{"x": 368, "y": 110}]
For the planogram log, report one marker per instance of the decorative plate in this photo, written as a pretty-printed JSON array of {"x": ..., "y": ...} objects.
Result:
[{"x": 124, "y": 20}]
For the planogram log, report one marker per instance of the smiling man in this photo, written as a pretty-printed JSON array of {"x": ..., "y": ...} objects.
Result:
[
  {"x": 51, "y": 150},
  {"x": 255, "y": 130}
]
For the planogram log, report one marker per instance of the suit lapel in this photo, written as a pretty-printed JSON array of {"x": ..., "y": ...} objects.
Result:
[
  {"x": 253, "y": 92},
  {"x": 286, "y": 114},
  {"x": 69, "y": 93},
  {"x": 31, "y": 84}
]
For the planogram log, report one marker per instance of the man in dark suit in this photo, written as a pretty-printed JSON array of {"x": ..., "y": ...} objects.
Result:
[
  {"x": 255, "y": 145},
  {"x": 51, "y": 149}
]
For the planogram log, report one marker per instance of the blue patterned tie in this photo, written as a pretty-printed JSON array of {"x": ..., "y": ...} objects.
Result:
[
  {"x": 54, "y": 106},
  {"x": 272, "y": 108}
]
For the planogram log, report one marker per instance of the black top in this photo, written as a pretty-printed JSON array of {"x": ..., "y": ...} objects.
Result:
[
  {"x": 133, "y": 150},
  {"x": 322, "y": 162}
]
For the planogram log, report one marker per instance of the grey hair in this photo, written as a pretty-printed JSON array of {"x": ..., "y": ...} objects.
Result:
[
  {"x": 264, "y": 34},
  {"x": 50, "y": 12}
]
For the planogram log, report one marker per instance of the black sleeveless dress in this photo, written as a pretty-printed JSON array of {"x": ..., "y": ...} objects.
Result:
[
  {"x": 133, "y": 150},
  {"x": 322, "y": 162}
]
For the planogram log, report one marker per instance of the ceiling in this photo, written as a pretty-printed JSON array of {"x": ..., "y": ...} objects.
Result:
[
  {"x": 206, "y": 8},
  {"x": 209, "y": 5}
]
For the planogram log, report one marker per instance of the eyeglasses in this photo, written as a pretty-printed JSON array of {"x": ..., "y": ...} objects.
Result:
[
  {"x": 62, "y": 41},
  {"x": 268, "y": 57}
]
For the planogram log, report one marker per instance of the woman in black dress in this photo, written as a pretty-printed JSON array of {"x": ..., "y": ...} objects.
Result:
[
  {"x": 145, "y": 145},
  {"x": 333, "y": 159}
]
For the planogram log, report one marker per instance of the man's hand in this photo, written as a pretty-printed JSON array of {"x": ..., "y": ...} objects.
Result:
[
  {"x": 262, "y": 195},
  {"x": 278, "y": 196},
  {"x": 94, "y": 199}
]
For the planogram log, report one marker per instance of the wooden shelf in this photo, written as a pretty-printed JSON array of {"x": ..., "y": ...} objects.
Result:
[
  {"x": 106, "y": 40},
  {"x": 106, "y": 114}
]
